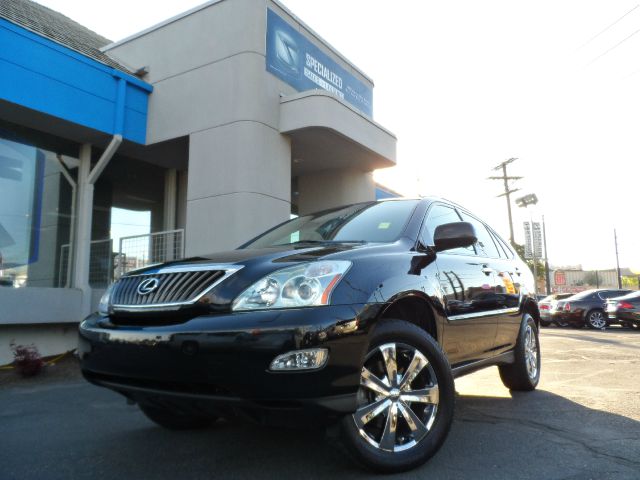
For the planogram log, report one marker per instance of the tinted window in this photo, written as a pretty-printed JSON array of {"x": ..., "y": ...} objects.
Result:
[
  {"x": 440, "y": 215},
  {"x": 485, "y": 245},
  {"x": 613, "y": 293},
  {"x": 632, "y": 296},
  {"x": 368, "y": 222},
  {"x": 507, "y": 250},
  {"x": 586, "y": 295}
]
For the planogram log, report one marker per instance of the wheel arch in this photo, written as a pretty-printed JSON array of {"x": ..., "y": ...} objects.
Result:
[
  {"x": 531, "y": 307},
  {"x": 416, "y": 308}
]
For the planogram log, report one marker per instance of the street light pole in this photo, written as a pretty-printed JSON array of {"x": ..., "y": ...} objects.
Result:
[
  {"x": 546, "y": 258},
  {"x": 524, "y": 202},
  {"x": 533, "y": 254}
]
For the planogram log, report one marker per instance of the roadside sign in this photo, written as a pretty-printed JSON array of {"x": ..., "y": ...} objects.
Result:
[
  {"x": 532, "y": 240},
  {"x": 559, "y": 278},
  {"x": 537, "y": 239},
  {"x": 528, "y": 253}
]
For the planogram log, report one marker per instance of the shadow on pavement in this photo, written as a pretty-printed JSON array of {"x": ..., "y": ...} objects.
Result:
[{"x": 530, "y": 435}]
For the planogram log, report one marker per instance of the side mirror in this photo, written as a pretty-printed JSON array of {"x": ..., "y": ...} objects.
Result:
[{"x": 454, "y": 235}]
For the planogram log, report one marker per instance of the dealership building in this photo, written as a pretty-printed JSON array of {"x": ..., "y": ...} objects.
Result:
[{"x": 186, "y": 138}]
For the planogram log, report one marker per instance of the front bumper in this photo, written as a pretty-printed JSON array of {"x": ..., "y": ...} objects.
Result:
[{"x": 222, "y": 361}]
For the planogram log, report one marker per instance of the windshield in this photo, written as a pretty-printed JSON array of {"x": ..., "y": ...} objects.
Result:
[
  {"x": 365, "y": 222},
  {"x": 583, "y": 295}
]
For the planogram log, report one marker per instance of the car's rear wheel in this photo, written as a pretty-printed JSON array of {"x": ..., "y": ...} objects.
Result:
[
  {"x": 405, "y": 401},
  {"x": 544, "y": 323},
  {"x": 596, "y": 319},
  {"x": 524, "y": 373},
  {"x": 174, "y": 420}
]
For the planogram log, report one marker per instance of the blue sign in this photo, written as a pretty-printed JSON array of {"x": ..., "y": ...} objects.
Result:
[{"x": 294, "y": 59}]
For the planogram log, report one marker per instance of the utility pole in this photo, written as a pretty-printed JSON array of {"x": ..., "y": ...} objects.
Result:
[
  {"x": 615, "y": 239},
  {"x": 547, "y": 277},
  {"x": 507, "y": 191}
]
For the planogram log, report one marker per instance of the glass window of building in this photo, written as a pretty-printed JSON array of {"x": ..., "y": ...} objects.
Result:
[{"x": 35, "y": 208}]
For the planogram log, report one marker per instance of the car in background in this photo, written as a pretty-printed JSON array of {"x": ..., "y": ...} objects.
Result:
[
  {"x": 585, "y": 308},
  {"x": 548, "y": 305},
  {"x": 624, "y": 310}
]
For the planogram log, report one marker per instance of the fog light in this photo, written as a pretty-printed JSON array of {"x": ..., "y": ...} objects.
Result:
[{"x": 310, "y": 359}]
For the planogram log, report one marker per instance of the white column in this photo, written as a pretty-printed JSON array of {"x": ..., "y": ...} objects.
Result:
[
  {"x": 170, "y": 198},
  {"x": 171, "y": 244},
  {"x": 84, "y": 215}
]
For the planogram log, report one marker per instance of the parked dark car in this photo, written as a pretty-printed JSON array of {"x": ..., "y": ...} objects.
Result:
[
  {"x": 361, "y": 315},
  {"x": 585, "y": 308},
  {"x": 548, "y": 305},
  {"x": 624, "y": 310}
]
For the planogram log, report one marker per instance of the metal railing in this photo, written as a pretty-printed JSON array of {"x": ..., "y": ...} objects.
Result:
[
  {"x": 138, "y": 251},
  {"x": 134, "y": 252},
  {"x": 101, "y": 264}
]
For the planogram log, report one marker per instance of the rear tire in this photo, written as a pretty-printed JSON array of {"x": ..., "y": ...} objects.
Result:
[
  {"x": 173, "y": 420},
  {"x": 544, "y": 323},
  {"x": 524, "y": 373},
  {"x": 596, "y": 319},
  {"x": 405, "y": 402}
]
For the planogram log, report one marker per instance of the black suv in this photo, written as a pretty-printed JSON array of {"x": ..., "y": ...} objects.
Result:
[{"x": 361, "y": 315}]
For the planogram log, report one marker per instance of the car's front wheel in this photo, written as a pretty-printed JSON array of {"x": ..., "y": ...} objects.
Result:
[
  {"x": 405, "y": 401},
  {"x": 174, "y": 420}
]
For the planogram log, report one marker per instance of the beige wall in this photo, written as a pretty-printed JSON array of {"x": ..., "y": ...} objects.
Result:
[
  {"x": 210, "y": 83},
  {"x": 333, "y": 188}
]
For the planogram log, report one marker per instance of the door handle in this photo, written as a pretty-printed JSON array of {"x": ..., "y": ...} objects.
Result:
[{"x": 487, "y": 270}]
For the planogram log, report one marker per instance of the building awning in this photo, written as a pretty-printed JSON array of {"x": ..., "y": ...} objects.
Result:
[{"x": 328, "y": 133}]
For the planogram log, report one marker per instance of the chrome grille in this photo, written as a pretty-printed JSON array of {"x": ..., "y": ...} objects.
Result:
[{"x": 173, "y": 288}]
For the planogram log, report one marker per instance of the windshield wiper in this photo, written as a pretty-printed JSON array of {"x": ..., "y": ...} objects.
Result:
[{"x": 315, "y": 242}]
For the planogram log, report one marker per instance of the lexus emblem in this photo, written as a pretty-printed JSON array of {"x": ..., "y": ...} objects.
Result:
[{"x": 148, "y": 286}]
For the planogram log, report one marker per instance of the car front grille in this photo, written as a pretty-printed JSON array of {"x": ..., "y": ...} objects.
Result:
[{"x": 165, "y": 288}]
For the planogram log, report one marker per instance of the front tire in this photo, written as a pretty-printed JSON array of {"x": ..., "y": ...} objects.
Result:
[
  {"x": 596, "y": 319},
  {"x": 524, "y": 373},
  {"x": 405, "y": 402},
  {"x": 173, "y": 420}
]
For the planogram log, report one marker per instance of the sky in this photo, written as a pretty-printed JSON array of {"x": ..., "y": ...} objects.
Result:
[{"x": 466, "y": 85}]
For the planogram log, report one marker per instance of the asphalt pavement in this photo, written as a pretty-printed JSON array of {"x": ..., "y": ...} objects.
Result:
[{"x": 582, "y": 423}]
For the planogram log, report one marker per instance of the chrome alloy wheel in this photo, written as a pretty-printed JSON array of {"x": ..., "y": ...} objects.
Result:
[
  {"x": 597, "y": 320},
  {"x": 531, "y": 352},
  {"x": 398, "y": 397}
]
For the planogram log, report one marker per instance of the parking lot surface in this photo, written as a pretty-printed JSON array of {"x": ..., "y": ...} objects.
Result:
[{"x": 582, "y": 423}]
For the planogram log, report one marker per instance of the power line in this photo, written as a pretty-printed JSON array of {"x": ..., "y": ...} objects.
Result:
[
  {"x": 614, "y": 47},
  {"x": 606, "y": 28}
]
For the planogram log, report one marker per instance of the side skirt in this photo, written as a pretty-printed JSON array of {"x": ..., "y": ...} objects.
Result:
[{"x": 502, "y": 359}]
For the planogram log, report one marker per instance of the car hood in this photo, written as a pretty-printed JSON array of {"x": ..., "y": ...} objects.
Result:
[{"x": 279, "y": 256}]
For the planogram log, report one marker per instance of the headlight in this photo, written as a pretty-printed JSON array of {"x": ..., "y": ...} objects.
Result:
[
  {"x": 304, "y": 285},
  {"x": 105, "y": 301}
]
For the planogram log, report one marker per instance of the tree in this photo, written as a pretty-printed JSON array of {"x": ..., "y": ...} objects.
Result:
[{"x": 529, "y": 261}]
